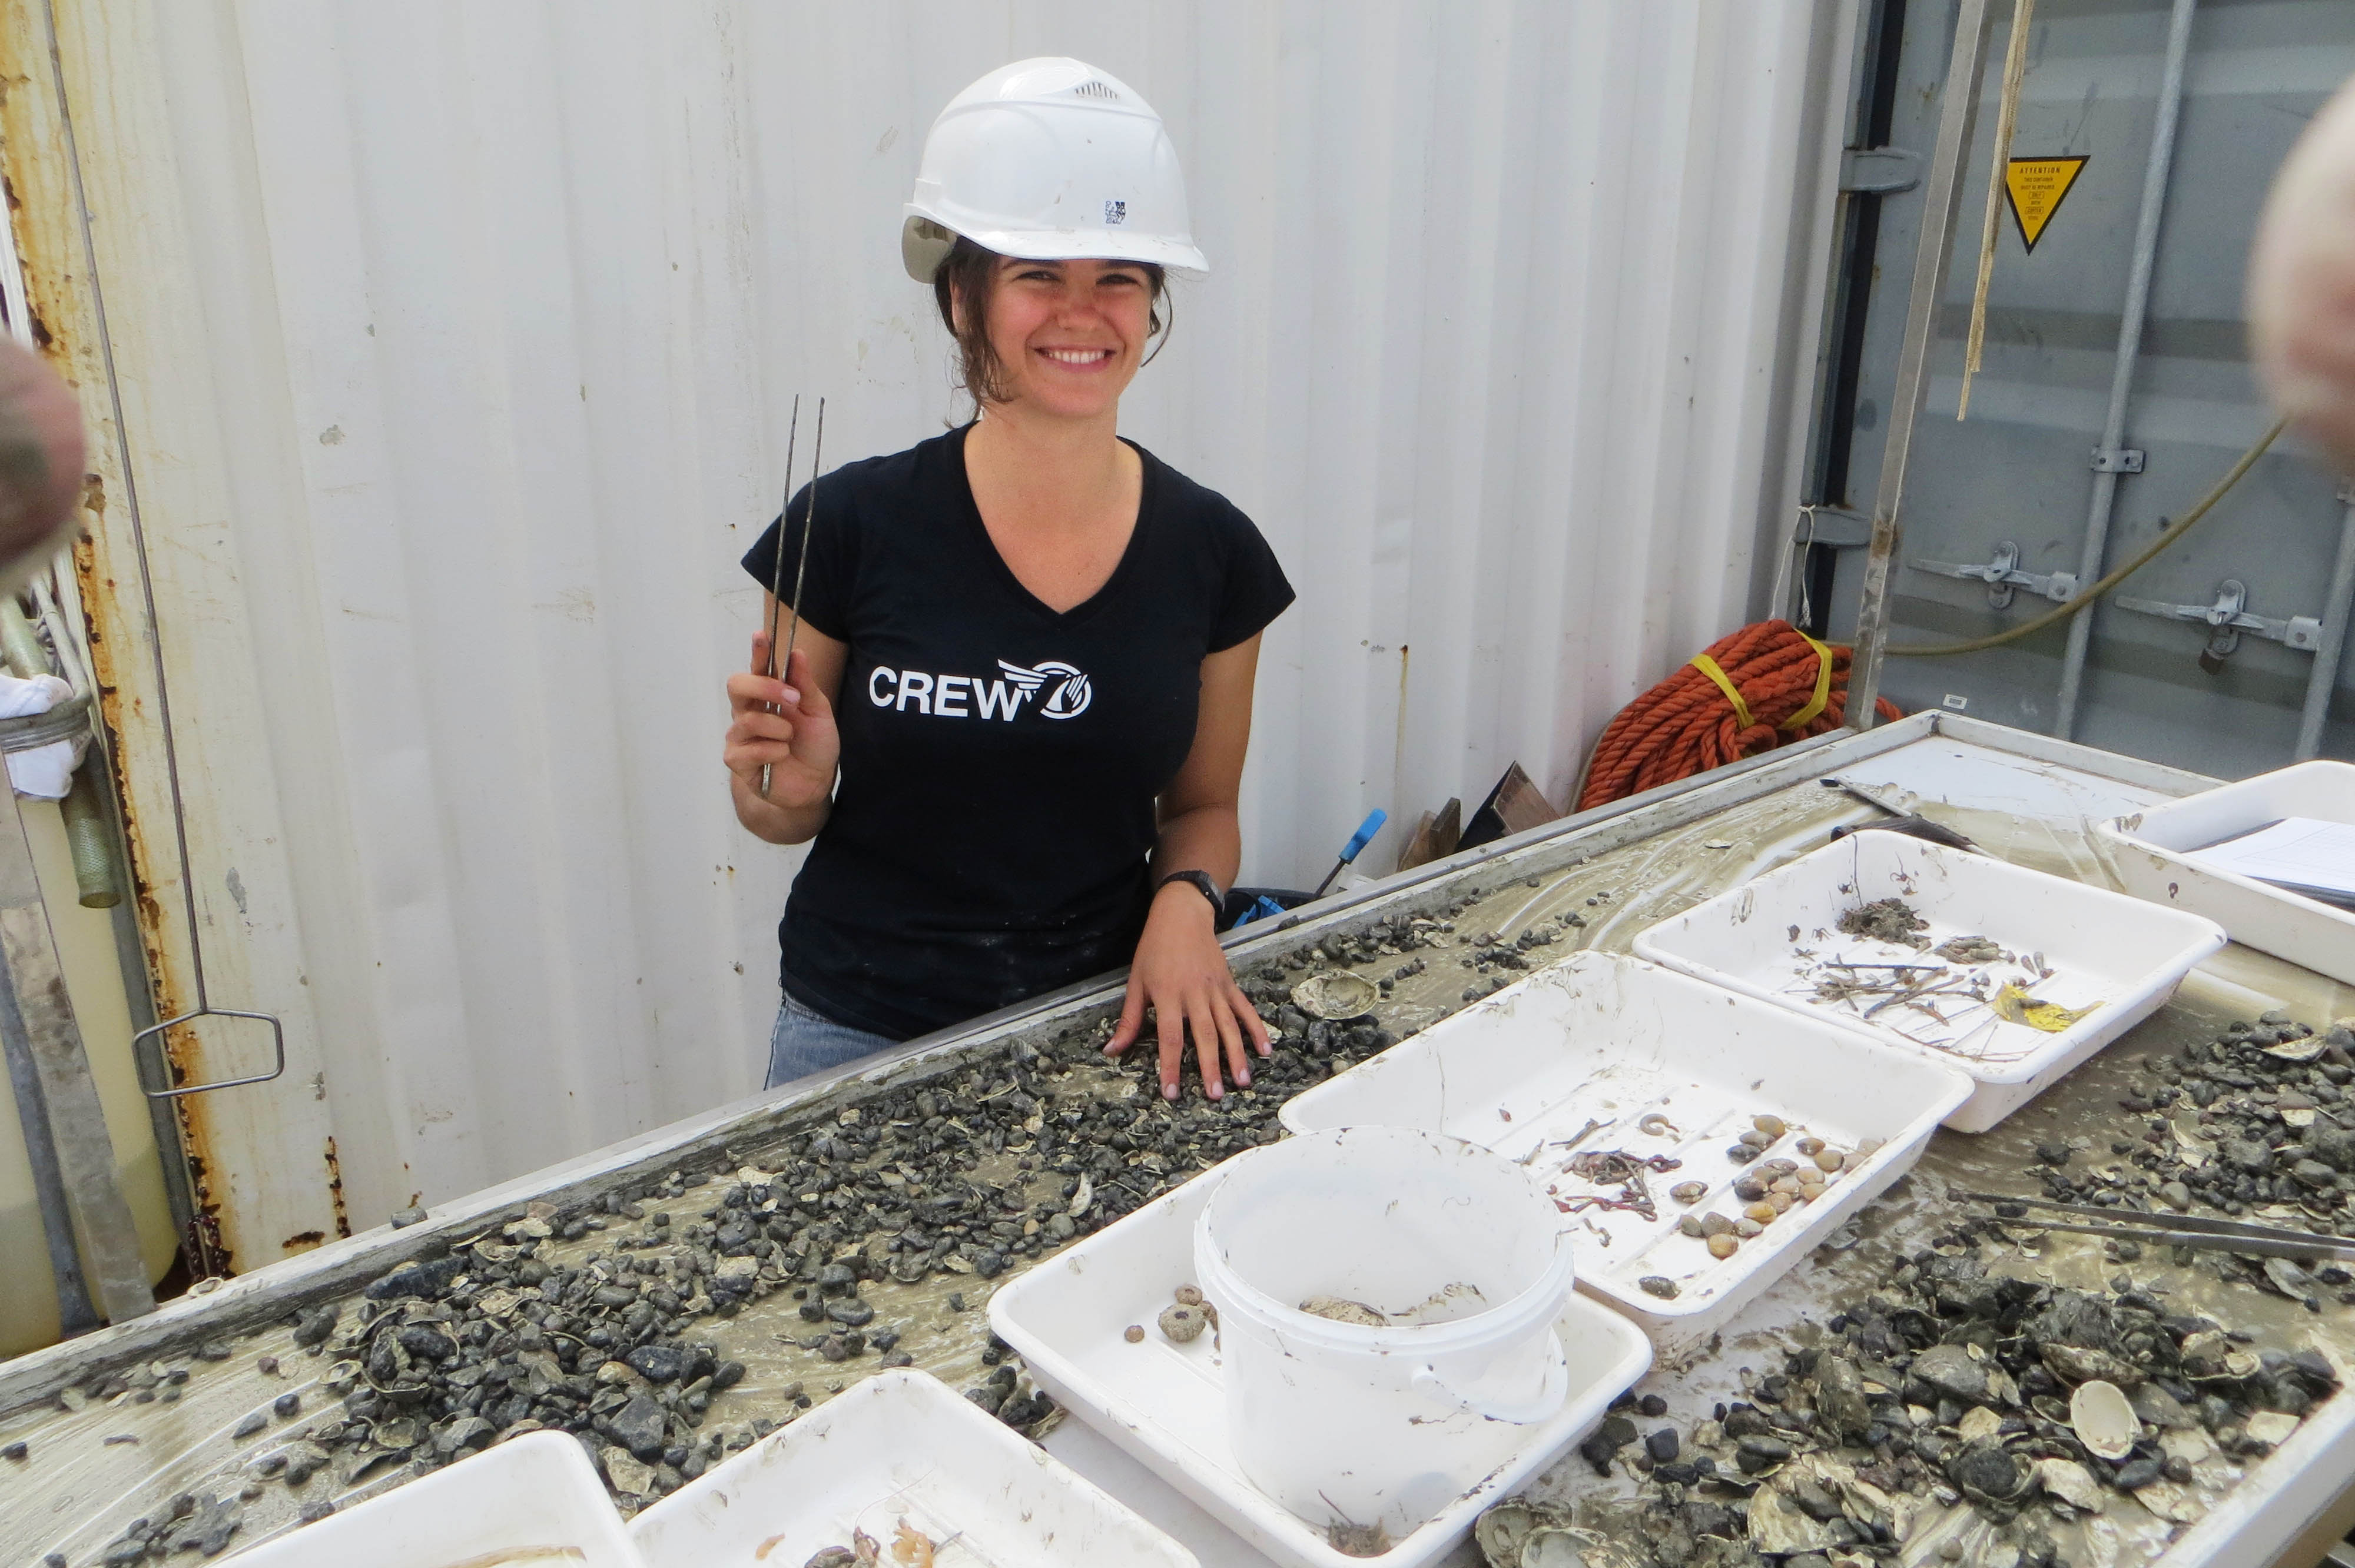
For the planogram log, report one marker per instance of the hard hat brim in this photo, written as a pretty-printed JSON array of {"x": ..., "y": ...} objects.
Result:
[{"x": 925, "y": 242}]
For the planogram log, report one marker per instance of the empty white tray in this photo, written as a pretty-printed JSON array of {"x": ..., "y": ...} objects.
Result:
[
  {"x": 1604, "y": 1038},
  {"x": 2104, "y": 948},
  {"x": 899, "y": 1445},
  {"x": 1163, "y": 1403},
  {"x": 2150, "y": 851},
  {"x": 534, "y": 1502}
]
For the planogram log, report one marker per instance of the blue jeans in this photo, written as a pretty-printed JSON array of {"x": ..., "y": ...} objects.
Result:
[{"x": 806, "y": 1042}]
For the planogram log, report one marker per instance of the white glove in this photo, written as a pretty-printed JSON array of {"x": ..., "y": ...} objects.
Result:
[
  {"x": 46, "y": 772},
  {"x": 2302, "y": 283}
]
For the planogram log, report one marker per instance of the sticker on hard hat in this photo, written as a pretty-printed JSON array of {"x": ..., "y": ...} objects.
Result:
[{"x": 1115, "y": 212}]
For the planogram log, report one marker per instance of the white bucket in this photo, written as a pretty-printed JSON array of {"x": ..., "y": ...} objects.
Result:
[{"x": 1342, "y": 1421}]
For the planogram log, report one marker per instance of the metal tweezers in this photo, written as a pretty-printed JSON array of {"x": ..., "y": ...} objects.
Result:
[{"x": 2184, "y": 1230}]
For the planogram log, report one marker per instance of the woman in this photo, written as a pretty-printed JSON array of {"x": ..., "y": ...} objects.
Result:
[{"x": 1015, "y": 711}]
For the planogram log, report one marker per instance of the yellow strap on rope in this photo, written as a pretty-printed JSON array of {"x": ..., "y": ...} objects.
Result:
[
  {"x": 1815, "y": 704},
  {"x": 1710, "y": 667}
]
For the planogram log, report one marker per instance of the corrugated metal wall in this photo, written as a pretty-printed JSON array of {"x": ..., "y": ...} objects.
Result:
[{"x": 455, "y": 344}]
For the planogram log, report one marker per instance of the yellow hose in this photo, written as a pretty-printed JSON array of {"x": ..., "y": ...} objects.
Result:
[{"x": 2085, "y": 600}]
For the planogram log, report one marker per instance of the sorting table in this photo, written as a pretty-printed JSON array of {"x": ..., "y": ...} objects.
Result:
[{"x": 2026, "y": 799}]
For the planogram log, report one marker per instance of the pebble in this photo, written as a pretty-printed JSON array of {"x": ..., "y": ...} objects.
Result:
[
  {"x": 1133, "y": 1333},
  {"x": 1724, "y": 1245},
  {"x": 403, "y": 1218}
]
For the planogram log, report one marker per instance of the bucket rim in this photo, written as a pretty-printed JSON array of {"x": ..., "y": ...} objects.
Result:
[{"x": 1537, "y": 1304}]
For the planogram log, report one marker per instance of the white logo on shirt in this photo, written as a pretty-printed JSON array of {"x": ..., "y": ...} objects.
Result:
[
  {"x": 1071, "y": 693},
  {"x": 975, "y": 696}
]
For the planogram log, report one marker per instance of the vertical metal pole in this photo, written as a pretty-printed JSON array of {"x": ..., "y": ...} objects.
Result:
[
  {"x": 2165, "y": 115},
  {"x": 75, "y": 1314},
  {"x": 37, "y": 1020},
  {"x": 2337, "y": 605},
  {"x": 1942, "y": 199}
]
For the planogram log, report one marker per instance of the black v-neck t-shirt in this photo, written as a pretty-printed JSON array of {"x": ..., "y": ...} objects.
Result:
[{"x": 994, "y": 812}]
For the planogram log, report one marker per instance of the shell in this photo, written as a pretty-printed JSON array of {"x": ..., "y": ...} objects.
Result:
[
  {"x": 2271, "y": 1427},
  {"x": 2289, "y": 1278},
  {"x": 2305, "y": 1050},
  {"x": 2070, "y": 1482},
  {"x": 1514, "y": 1531},
  {"x": 1336, "y": 994},
  {"x": 2104, "y": 1423}
]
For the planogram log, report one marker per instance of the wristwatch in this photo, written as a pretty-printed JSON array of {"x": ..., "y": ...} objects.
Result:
[{"x": 1199, "y": 880}]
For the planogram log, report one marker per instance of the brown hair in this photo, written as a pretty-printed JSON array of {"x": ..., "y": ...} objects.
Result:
[{"x": 970, "y": 273}]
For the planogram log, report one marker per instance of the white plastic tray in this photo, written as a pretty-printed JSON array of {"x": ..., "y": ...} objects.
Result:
[
  {"x": 1163, "y": 1403},
  {"x": 899, "y": 1445},
  {"x": 2149, "y": 851},
  {"x": 534, "y": 1502},
  {"x": 1604, "y": 1038},
  {"x": 2103, "y": 947}
]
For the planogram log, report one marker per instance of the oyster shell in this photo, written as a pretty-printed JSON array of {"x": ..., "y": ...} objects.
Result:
[
  {"x": 2305, "y": 1050},
  {"x": 1336, "y": 994},
  {"x": 2271, "y": 1427},
  {"x": 2070, "y": 1482},
  {"x": 1516, "y": 1532},
  {"x": 2104, "y": 1423}
]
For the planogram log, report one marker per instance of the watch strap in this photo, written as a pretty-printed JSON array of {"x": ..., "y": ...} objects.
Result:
[{"x": 1200, "y": 881}]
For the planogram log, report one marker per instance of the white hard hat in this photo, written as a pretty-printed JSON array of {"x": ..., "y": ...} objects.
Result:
[{"x": 1052, "y": 160}]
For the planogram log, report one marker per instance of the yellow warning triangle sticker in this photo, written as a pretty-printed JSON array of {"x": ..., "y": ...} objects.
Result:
[{"x": 2036, "y": 186}]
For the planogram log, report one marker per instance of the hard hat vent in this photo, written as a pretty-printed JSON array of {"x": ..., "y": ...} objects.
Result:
[{"x": 1097, "y": 89}]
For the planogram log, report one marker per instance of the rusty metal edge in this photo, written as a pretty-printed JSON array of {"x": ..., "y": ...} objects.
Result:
[{"x": 46, "y": 218}]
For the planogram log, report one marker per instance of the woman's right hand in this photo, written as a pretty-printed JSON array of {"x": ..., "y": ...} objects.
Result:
[{"x": 785, "y": 726}]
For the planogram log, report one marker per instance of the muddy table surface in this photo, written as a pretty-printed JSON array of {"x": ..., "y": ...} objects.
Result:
[
  {"x": 87, "y": 1473},
  {"x": 2030, "y": 815}
]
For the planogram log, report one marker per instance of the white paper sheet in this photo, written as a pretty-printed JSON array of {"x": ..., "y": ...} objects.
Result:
[{"x": 2300, "y": 852}]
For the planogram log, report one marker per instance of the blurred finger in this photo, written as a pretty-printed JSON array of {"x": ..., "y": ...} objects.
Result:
[
  {"x": 1132, "y": 1020},
  {"x": 1170, "y": 1024},
  {"x": 1254, "y": 1024},
  {"x": 1230, "y": 1040},
  {"x": 1203, "y": 1020}
]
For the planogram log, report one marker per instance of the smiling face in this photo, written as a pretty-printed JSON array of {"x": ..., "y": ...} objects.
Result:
[{"x": 1068, "y": 335}]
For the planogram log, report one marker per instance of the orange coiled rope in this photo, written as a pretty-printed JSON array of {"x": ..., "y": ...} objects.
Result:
[{"x": 1765, "y": 684}]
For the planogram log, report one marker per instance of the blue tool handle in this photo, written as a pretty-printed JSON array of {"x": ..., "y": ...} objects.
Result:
[{"x": 1366, "y": 831}]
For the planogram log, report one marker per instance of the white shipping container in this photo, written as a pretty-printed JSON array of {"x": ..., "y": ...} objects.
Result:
[{"x": 446, "y": 356}]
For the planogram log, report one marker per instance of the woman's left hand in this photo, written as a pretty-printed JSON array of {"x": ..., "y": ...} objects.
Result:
[{"x": 1181, "y": 972}]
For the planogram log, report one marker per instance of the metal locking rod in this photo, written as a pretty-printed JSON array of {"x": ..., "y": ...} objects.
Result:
[
  {"x": 2229, "y": 617},
  {"x": 2003, "y": 573}
]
